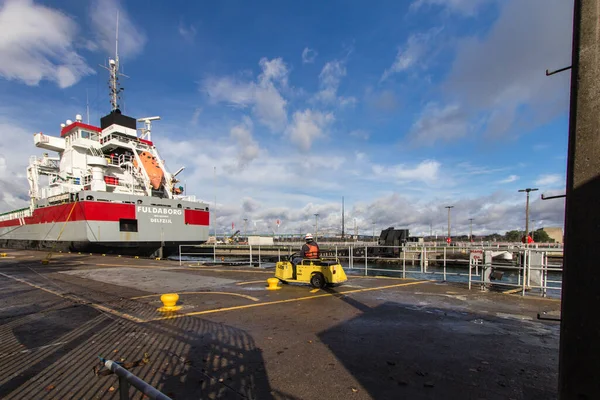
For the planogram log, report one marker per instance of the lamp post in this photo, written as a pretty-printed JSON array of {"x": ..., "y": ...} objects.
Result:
[
  {"x": 471, "y": 230},
  {"x": 245, "y": 231},
  {"x": 316, "y": 226},
  {"x": 449, "y": 208},
  {"x": 527, "y": 212}
]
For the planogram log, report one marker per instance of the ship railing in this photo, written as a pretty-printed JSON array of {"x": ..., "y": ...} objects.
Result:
[
  {"x": 45, "y": 163},
  {"x": 118, "y": 160},
  {"x": 16, "y": 214},
  {"x": 116, "y": 139},
  {"x": 186, "y": 198}
]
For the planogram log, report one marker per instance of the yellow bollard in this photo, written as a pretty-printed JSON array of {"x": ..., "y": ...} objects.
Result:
[
  {"x": 273, "y": 284},
  {"x": 45, "y": 262},
  {"x": 2, "y": 254},
  {"x": 136, "y": 257},
  {"x": 169, "y": 301},
  {"x": 157, "y": 258},
  {"x": 103, "y": 255}
]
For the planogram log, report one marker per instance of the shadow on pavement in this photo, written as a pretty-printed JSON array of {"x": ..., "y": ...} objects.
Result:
[
  {"x": 405, "y": 351},
  {"x": 51, "y": 353}
]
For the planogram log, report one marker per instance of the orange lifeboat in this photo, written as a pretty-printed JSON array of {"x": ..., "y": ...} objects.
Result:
[{"x": 155, "y": 173}]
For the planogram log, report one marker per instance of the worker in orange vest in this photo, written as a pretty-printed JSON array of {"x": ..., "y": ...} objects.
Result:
[{"x": 309, "y": 250}]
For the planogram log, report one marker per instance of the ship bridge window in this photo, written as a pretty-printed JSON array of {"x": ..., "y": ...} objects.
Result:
[
  {"x": 128, "y": 225},
  {"x": 85, "y": 135}
]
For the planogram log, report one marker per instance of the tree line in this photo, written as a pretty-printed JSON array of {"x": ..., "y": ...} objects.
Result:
[{"x": 539, "y": 236}]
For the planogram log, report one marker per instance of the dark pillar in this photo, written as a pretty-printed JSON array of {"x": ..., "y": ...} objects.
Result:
[{"x": 579, "y": 363}]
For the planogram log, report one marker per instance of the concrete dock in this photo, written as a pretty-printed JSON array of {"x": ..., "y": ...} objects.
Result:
[{"x": 371, "y": 338}]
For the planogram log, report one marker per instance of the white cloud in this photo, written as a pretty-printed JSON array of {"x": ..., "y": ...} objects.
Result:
[
  {"x": 248, "y": 147},
  {"x": 549, "y": 180},
  {"x": 439, "y": 124},
  {"x": 37, "y": 42},
  {"x": 229, "y": 90},
  {"x": 329, "y": 82},
  {"x": 360, "y": 134},
  {"x": 196, "y": 115},
  {"x": 427, "y": 171},
  {"x": 466, "y": 7},
  {"x": 273, "y": 70},
  {"x": 509, "y": 179},
  {"x": 308, "y": 55},
  {"x": 15, "y": 147},
  {"x": 187, "y": 32},
  {"x": 417, "y": 47},
  {"x": 307, "y": 126},
  {"x": 104, "y": 21},
  {"x": 263, "y": 96}
]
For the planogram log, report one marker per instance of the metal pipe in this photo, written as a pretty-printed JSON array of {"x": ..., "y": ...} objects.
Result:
[
  {"x": 470, "y": 265},
  {"x": 128, "y": 378},
  {"x": 524, "y": 272},
  {"x": 404, "y": 264},
  {"x": 444, "y": 264},
  {"x": 365, "y": 260},
  {"x": 350, "y": 258}
]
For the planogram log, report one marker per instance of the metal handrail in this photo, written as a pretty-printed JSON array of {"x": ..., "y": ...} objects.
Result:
[{"x": 127, "y": 378}]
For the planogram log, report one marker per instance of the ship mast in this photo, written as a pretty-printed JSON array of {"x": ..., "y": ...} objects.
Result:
[{"x": 113, "y": 68}]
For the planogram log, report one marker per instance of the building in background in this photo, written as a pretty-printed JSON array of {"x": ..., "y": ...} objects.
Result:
[{"x": 555, "y": 233}]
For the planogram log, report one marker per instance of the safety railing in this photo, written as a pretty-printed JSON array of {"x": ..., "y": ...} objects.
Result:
[
  {"x": 233, "y": 255},
  {"x": 533, "y": 271}
]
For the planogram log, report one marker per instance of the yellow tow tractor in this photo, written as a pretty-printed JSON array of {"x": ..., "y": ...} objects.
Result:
[{"x": 318, "y": 272}]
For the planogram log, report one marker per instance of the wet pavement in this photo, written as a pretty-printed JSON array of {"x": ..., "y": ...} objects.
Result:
[{"x": 371, "y": 338}]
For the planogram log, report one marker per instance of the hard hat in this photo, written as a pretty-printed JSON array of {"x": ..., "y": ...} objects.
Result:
[{"x": 308, "y": 236}]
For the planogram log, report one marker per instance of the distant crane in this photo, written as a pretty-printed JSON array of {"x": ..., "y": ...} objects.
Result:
[{"x": 232, "y": 238}]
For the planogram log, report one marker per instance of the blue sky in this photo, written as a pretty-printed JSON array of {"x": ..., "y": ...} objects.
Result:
[{"x": 402, "y": 107}]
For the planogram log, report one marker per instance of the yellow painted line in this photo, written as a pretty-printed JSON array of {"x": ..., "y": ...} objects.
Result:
[
  {"x": 224, "y": 293},
  {"x": 511, "y": 291},
  {"x": 137, "y": 266},
  {"x": 315, "y": 290},
  {"x": 239, "y": 271},
  {"x": 217, "y": 310},
  {"x": 72, "y": 298},
  {"x": 250, "y": 283}
]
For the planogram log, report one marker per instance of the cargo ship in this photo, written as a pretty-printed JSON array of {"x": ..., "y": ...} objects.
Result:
[{"x": 104, "y": 189}]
